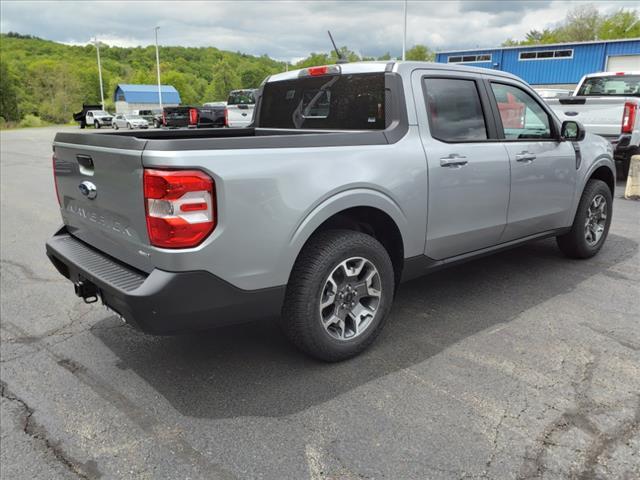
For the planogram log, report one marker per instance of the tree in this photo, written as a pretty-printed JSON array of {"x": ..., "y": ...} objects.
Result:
[
  {"x": 224, "y": 80},
  {"x": 420, "y": 52},
  {"x": 252, "y": 77},
  {"x": 621, "y": 24},
  {"x": 8, "y": 94}
]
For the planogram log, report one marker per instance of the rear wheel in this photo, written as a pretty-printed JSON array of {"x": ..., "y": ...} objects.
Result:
[
  {"x": 591, "y": 223},
  {"x": 115, "y": 126},
  {"x": 339, "y": 295}
]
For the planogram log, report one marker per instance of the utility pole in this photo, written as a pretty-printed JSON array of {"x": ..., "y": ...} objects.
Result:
[
  {"x": 158, "y": 68},
  {"x": 404, "y": 32},
  {"x": 99, "y": 71}
]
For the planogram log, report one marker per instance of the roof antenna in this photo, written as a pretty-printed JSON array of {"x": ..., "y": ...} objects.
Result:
[{"x": 341, "y": 59}]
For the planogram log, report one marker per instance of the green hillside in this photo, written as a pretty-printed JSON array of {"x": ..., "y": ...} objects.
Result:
[{"x": 51, "y": 80}]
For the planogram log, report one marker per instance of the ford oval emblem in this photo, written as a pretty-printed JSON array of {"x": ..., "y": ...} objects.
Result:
[
  {"x": 88, "y": 189},
  {"x": 571, "y": 114}
]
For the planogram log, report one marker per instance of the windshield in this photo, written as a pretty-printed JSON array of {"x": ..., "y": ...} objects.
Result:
[
  {"x": 100, "y": 112},
  {"x": 337, "y": 102},
  {"x": 621, "y": 85},
  {"x": 242, "y": 97},
  {"x": 134, "y": 117}
]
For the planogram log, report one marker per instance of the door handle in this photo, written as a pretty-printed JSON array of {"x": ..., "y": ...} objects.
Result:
[
  {"x": 525, "y": 157},
  {"x": 453, "y": 160}
]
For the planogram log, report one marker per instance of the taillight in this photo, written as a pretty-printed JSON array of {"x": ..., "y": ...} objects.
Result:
[
  {"x": 193, "y": 116},
  {"x": 55, "y": 180},
  {"x": 164, "y": 118},
  {"x": 629, "y": 117},
  {"x": 180, "y": 207},
  {"x": 226, "y": 117}
]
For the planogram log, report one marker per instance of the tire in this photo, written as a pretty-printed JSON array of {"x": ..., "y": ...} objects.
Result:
[
  {"x": 129, "y": 126},
  {"x": 580, "y": 241},
  {"x": 622, "y": 172},
  {"x": 115, "y": 126},
  {"x": 96, "y": 124},
  {"x": 326, "y": 255}
]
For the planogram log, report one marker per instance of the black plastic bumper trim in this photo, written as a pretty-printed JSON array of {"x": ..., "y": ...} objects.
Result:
[{"x": 164, "y": 302}]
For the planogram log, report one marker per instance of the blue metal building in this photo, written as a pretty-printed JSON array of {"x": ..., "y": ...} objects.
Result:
[
  {"x": 140, "y": 97},
  {"x": 560, "y": 64}
]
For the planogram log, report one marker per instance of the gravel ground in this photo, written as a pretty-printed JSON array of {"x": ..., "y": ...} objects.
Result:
[{"x": 521, "y": 365}]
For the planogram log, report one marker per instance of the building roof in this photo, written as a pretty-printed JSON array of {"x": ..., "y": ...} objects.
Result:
[
  {"x": 145, "y": 93},
  {"x": 538, "y": 45}
]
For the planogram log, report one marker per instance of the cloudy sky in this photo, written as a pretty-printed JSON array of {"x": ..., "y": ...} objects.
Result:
[{"x": 289, "y": 30}]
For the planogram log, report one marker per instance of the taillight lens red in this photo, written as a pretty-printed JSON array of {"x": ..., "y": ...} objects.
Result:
[
  {"x": 226, "y": 117},
  {"x": 55, "y": 180},
  {"x": 193, "y": 116},
  {"x": 629, "y": 117},
  {"x": 180, "y": 207},
  {"x": 164, "y": 118}
]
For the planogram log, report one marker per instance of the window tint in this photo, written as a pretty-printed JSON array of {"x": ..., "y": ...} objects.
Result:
[
  {"x": 522, "y": 116},
  {"x": 241, "y": 97},
  {"x": 328, "y": 102},
  {"x": 455, "y": 112}
]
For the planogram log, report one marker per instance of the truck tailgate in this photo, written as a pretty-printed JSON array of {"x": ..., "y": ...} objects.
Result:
[
  {"x": 99, "y": 183},
  {"x": 599, "y": 115}
]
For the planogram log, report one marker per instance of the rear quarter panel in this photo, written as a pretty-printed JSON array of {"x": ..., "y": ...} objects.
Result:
[{"x": 270, "y": 201}]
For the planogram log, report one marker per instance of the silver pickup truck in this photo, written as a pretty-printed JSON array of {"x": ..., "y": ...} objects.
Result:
[
  {"x": 607, "y": 104},
  {"x": 352, "y": 179}
]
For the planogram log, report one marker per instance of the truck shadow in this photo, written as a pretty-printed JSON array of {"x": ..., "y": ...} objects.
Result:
[{"x": 251, "y": 370}]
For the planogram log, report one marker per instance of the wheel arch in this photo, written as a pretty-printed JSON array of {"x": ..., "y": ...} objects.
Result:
[{"x": 364, "y": 210}]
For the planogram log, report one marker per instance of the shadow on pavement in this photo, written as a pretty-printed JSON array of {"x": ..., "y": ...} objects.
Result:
[{"x": 251, "y": 370}]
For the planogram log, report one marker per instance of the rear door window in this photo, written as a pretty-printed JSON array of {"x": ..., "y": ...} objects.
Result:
[
  {"x": 455, "y": 111},
  {"x": 328, "y": 102}
]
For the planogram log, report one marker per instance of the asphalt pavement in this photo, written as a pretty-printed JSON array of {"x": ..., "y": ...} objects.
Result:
[{"x": 520, "y": 365}]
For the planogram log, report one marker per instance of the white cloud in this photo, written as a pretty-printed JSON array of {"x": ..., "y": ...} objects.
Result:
[{"x": 286, "y": 29}]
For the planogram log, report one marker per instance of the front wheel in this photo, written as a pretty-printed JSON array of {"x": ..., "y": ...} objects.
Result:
[
  {"x": 129, "y": 126},
  {"x": 339, "y": 295},
  {"x": 591, "y": 223},
  {"x": 96, "y": 124},
  {"x": 115, "y": 126}
]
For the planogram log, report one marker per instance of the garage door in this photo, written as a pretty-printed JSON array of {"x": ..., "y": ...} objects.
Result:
[{"x": 623, "y": 63}]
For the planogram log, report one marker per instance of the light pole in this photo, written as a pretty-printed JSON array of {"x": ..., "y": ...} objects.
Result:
[
  {"x": 404, "y": 32},
  {"x": 158, "y": 68},
  {"x": 99, "y": 71}
]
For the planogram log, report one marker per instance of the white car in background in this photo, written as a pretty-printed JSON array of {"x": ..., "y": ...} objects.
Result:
[
  {"x": 553, "y": 92},
  {"x": 240, "y": 105},
  {"x": 130, "y": 121}
]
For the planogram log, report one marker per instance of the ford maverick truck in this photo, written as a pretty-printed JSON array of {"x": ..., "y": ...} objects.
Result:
[{"x": 351, "y": 179}]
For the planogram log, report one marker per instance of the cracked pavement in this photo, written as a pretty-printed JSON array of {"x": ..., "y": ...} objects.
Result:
[{"x": 517, "y": 366}]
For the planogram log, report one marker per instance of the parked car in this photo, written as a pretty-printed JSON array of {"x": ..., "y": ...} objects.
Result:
[
  {"x": 607, "y": 104},
  {"x": 354, "y": 178},
  {"x": 150, "y": 116},
  {"x": 240, "y": 106},
  {"x": 130, "y": 121},
  {"x": 194, "y": 117},
  {"x": 93, "y": 115}
]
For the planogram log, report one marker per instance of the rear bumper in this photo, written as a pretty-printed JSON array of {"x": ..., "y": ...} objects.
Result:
[
  {"x": 624, "y": 148},
  {"x": 161, "y": 302}
]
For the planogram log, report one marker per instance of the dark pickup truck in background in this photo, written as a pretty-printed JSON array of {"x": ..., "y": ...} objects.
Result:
[{"x": 194, "y": 117}]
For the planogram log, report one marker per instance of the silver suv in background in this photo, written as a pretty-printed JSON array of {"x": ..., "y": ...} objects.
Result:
[
  {"x": 240, "y": 106},
  {"x": 352, "y": 179}
]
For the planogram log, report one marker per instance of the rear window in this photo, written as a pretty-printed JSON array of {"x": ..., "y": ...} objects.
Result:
[
  {"x": 337, "y": 102},
  {"x": 623, "y": 85},
  {"x": 241, "y": 97}
]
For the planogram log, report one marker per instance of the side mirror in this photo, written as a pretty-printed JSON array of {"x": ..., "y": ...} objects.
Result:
[{"x": 572, "y": 131}]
